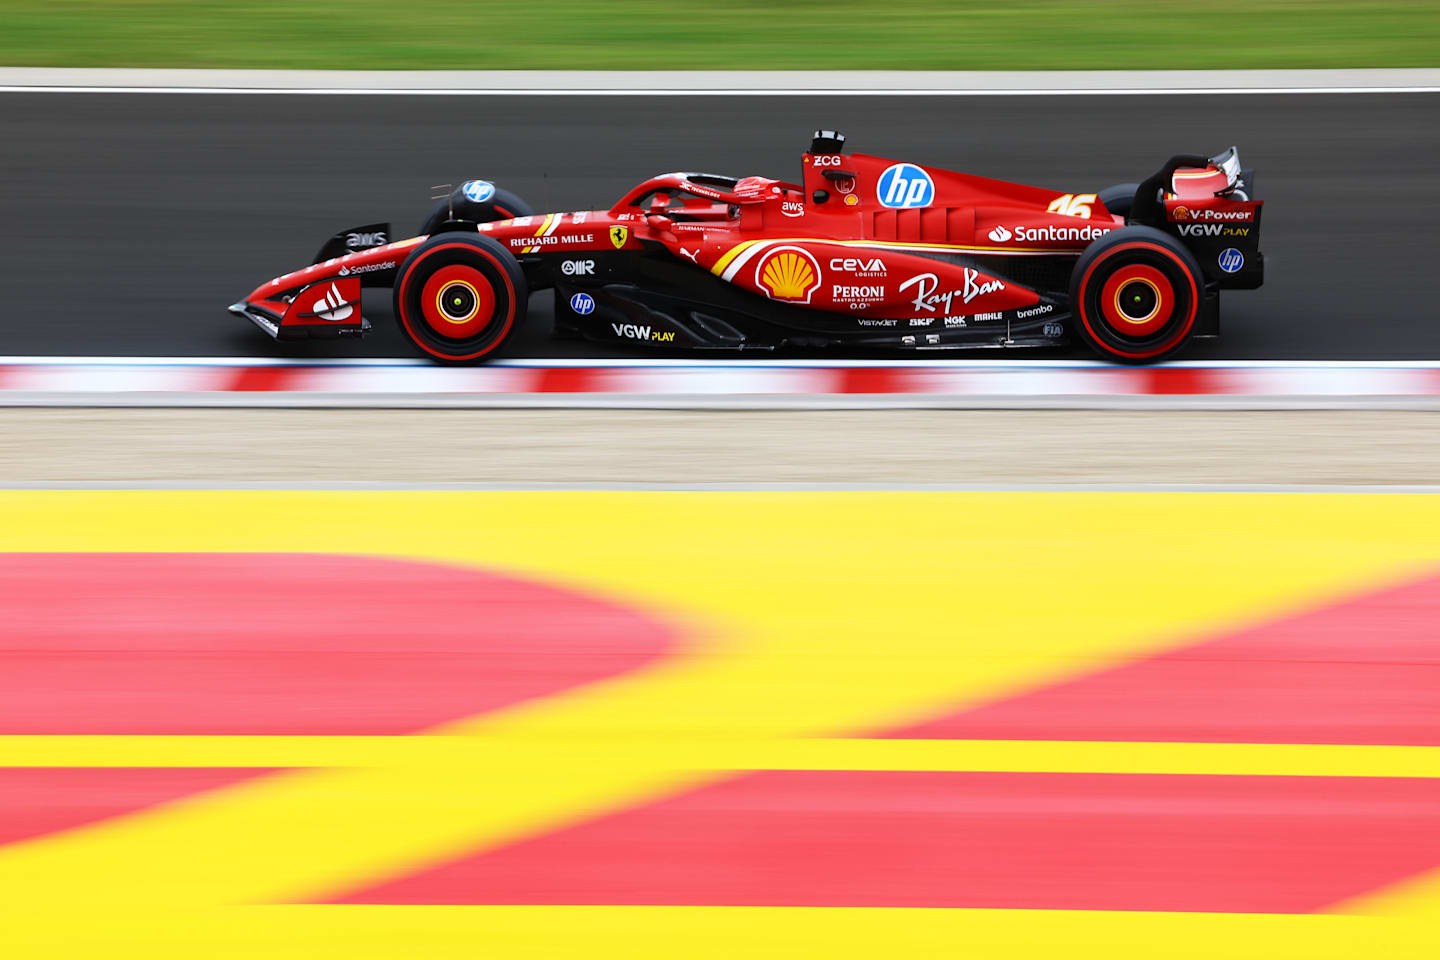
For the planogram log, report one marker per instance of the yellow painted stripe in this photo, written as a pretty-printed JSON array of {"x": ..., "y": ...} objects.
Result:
[
  {"x": 373, "y": 932},
  {"x": 1056, "y": 756},
  {"x": 730, "y": 255}
]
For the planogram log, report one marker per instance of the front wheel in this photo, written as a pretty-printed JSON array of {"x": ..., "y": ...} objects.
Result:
[
  {"x": 1135, "y": 294},
  {"x": 460, "y": 296}
]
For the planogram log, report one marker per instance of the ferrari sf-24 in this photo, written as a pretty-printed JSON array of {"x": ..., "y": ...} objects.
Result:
[{"x": 864, "y": 254}]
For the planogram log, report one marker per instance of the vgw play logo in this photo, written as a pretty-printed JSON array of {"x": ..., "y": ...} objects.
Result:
[{"x": 905, "y": 185}]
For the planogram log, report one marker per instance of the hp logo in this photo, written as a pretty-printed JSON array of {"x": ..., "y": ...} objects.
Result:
[
  {"x": 582, "y": 303},
  {"x": 905, "y": 185},
  {"x": 478, "y": 191},
  {"x": 1231, "y": 260}
]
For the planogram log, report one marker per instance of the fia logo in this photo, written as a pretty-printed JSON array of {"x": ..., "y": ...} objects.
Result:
[{"x": 905, "y": 185}]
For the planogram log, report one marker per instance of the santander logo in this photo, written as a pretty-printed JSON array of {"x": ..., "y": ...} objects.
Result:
[{"x": 1000, "y": 235}]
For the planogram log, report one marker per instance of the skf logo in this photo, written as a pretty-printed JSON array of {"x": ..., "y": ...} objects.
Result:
[
  {"x": 578, "y": 268},
  {"x": 788, "y": 273},
  {"x": 618, "y": 236}
]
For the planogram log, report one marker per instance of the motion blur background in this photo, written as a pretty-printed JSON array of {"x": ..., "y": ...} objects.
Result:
[{"x": 1149, "y": 676}]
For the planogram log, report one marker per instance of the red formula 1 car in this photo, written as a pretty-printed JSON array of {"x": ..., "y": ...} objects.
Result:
[{"x": 866, "y": 253}]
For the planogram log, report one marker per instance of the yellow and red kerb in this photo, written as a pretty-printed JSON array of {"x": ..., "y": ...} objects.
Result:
[{"x": 549, "y": 735}]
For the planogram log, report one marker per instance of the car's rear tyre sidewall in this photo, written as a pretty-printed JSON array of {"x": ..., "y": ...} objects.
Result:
[
  {"x": 1135, "y": 295},
  {"x": 1118, "y": 197},
  {"x": 459, "y": 297}
]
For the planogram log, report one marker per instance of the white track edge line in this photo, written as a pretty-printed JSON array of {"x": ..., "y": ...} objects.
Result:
[{"x": 707, "y": 402}]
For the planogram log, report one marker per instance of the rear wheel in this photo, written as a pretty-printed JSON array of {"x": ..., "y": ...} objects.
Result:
[
  {"x": 1135, "y": 294},
  {"x": 459, "y": 297},
  {"x": 1117, "y": 198}
]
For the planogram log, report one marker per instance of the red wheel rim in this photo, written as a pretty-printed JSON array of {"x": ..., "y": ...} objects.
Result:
[
  {"x": 1137, "y": 300},
  {"x": 457, "y": 302}
]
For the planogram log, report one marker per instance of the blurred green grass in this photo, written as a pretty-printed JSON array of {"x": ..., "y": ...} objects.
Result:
[{"x": 741, "y": 34}]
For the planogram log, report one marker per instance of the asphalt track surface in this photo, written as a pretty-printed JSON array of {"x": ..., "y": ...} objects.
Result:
[{"x": 132, "y": 219}]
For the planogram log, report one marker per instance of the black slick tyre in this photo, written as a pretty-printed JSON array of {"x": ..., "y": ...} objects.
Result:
[
  {"x": 1135, "y": 295},
  {"x": 460, "y": 296}
]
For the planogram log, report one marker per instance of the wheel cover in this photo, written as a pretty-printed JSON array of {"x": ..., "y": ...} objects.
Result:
[
  {"x": 1137, "y": 301},
  {"x": 457, "y": 302}
]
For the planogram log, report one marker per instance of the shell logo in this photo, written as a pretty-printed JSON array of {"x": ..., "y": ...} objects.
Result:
[{"x": 788, "y": 273}]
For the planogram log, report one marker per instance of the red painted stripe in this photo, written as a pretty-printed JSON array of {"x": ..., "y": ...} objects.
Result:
[
  {"x": 567, "y": 380},
  {"x": 1037, "y": 841},
  {"x": 290, "y": 643},
  {"x": 1363, "y": 670},
  {"x": 1173, "y": 380},
  {"x": 39, "y": 801},
  {"x": 261, "y": 378},
  {"x": 874, "y": 380}
]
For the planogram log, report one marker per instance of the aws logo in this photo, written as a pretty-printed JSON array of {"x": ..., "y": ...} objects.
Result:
[{"x": 789, "y": 274}]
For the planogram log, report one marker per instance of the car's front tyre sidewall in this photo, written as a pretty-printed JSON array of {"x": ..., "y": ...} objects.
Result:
[{"x": 459, "y": 297}]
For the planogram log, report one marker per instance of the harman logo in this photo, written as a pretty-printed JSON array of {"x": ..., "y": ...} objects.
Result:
[
  {"x": 1000, "y": 235},
  {"x": 478, "y": 191},
  {"x": 905, "y": 185},
  {"x": 789, "y": 274},
  {"x": 582, "y": 303},
  {"x": 1231, "y": 260}
]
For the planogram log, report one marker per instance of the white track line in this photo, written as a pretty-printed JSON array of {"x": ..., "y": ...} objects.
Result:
[
  {"x": 737, "y": 402},
  {"x": 726, "y": 83},
  {"x": 714, "y": 364},
  {"x": 798, "y": 486}
]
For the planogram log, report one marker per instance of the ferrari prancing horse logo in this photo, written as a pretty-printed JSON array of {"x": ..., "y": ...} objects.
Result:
[{"x": 618, "y": 236}]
